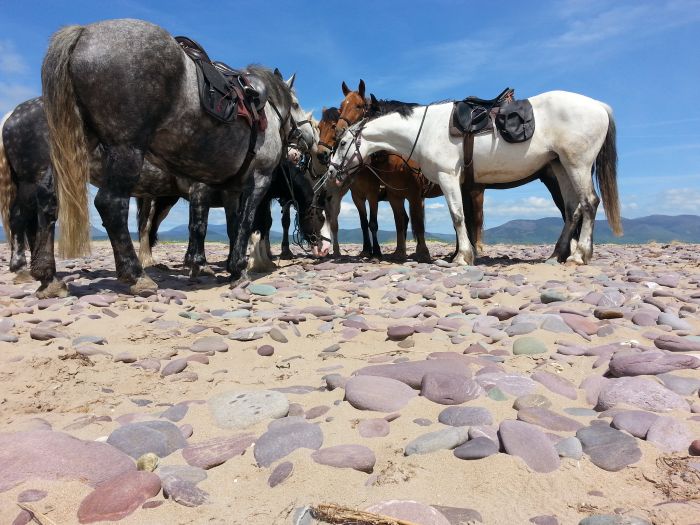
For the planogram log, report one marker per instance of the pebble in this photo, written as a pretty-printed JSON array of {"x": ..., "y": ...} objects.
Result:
[
  {"x": 266, "y": 350},
  {"x": 214, "y": 452},
  {"x": 118, "y": 497},
  {"x": 447, "y": 438},
  {"x": 280, "y": 473},
  {"x": 569, "y": 448},
  {"x": 356, "y": 457},
  {"x": 284, "y": 437},
  {"x": 527, "y": 442},
  {"x": 609, "y": 448},
  {"x": 370, "y": 428},
  {"x": 377, "y": 393},
  {"x": 613, "y": 519},
  {"x": 136, "y": 439},
  {"x": 449, "y": 389},
  {"x": 261, "y": 289},
  {"x": 669, "y": 434},
  {"x": 240, "y": 409},
  {"x": 531, "y": 400},
  {"x": 528, "y": 346},
  {"x": 635, "y": 422},
  {"x": 477, "y": 448},
  {"x": 410, "y": 511},
  {"x": 412, "y": 372},
  {"x": 556, "y": 384},
  {"x": 465, "y": 416},
  {"x": 639, "y": 392},
  {"x": 212, "y": 343},
  {"x": 544, "y": 417}
]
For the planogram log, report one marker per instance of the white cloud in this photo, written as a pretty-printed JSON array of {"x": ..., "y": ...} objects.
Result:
[
  {"x": 678, "y": 200},
  {"x": 435, "y": 206},
  {"x": 13, "y": 94},
  {"x": 11, "y": 62}
]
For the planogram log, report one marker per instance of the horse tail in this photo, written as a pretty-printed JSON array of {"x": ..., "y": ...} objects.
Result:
[
  {"x": 606, "y": 175},
  {"x": 8, "y": 190},
  {"x": 144, "y": 214},
  {"x": 69, "y": 153}
]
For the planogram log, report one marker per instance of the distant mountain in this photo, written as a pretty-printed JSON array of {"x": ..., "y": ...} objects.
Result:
[{"x": 659, "y": 228}]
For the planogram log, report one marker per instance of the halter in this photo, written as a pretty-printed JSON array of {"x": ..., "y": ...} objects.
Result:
[
  {"x": 295, "y": 135},
  {"x": 357, "y": 140}
]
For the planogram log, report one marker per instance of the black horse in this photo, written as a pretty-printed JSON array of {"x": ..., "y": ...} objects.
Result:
[
  {"x": 28, "y": 200},
  {"x": 126, "y": 90}
]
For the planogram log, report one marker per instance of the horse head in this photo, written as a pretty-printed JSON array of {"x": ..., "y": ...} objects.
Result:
[
  {"x": 326, "y": 140},
  {"x": 353, "y": 108}
]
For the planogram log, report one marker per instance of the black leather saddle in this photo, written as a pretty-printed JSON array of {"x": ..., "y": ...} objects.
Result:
[{"x": 473, "y": 114}]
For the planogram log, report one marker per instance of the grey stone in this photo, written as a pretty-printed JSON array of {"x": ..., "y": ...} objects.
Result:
[
  {"x": 530, "y": 444},
  {"x": 162, "y": 438},
  {"x": 284, "y": 438},
  {"x": 243, "y": 408},
  {"x": 528, "y": 346},
  {"x": 477, "y": 448},
  {"x": 635, "y": 422},
  {"x": 569, "y": 448},
  {"x": 639, "y": 392},
  {"x": 377, "y": 393},
  {"x": 448, "y": 388},
  {"x": 356, "y": 457},
  {"x": 465, "y": 416},
  {"x": 608, "y": 448},
  {"x": 447, "y": 438},
  {"x": 669, "y": 434}
]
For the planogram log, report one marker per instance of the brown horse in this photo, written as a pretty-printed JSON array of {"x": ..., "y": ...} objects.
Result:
[
  {"x": 355, "y": 107},
  {"x": 386, "y": 175}
]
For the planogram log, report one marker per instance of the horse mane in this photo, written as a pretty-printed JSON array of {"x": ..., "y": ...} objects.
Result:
[
  {"x": 330, "y": 115},
  {"x": 277, "y": 87},
  {"x": 384, "y": 107}
]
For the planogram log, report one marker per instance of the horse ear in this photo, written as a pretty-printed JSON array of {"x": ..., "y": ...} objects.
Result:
[
  {"x": 290, "y": 81},
  {"x": 361, "y": 89},
  {"x": 278, "y": 74},
  {"x": 345, "y": 88},
  {"x": 373, "y": 99}
]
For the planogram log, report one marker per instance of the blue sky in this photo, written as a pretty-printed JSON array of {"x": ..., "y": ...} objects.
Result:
[{"x": 624, "y": 53}]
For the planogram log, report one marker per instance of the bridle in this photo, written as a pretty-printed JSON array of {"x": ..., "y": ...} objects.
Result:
[{"x": 295, "y": 137}]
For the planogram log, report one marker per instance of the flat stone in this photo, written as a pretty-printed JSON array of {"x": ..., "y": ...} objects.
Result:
[
  {"x": 528, "y": 346},
  {"x": 377, "y": 393},
  {"x": 448, "y": 388},
  {"x": 477, "y": 448},
  {"x": 399, "y": 332},
  {"x": 410, "y": 511},
  {"x": 641, "y": 393},
  {"x": 569, "y": 448},
  {"x": 447, "y": 438},
  {"x": 552, "y": 296},
  {"x": 608, "y": 448},
  {"x": 356, "y": 457},
  {"x": 458, "y": 515},
  {"x": 684, "y": 386},
  {"x": 673, "y": 321},
  {"x": 580, "y": 323},
  {"x": 531, "y": 400},
  {"x": 136, "y": 439},
  {"x": 262, "y": 289},
  {"x": 214, "y": 452},
  {"x": 118, "y": 497},
  {"x": 240, "y": 409},
  {"x": 266, "y": 350},
  {"x": 465, "y": 416},
  {"x": 613, "y": 519},
  {"x": 370, "y": 428},
  {"x": 412, "y": 372},
  {"x": 555, "y": 383},
  {"x": 174, "y": 367},
  {"x": 669, "y": 434},
  {"x": 184, "y": 492},
  {"x": 280, "y": 473},
  {"x": 530, "y": 444},
  {"x": 175, "y": 413},
  {"x": 31, "y": 495},
  {"x": 212, "y": 343},
  {"x": 676, "y": 344},
  {"x": 284, "y": 437},
  {"x": 650, "y": 363},
  {"x": 544, "y": 417},
  {"x": 513, "y": 384},
  {"x": 635, "y": 422}
]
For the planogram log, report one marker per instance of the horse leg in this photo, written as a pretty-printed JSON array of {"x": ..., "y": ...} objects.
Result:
[
  {"x": 582, "y": 183},
  {"x": 374, "y": 225},
  {"x": 261, "y": 260},
  {"x": 121, "y": 169},
  {"x": 146, "y": 211},
  {"x": 22, "y": 214},
  {"x": 239, "y": 230},
  {"x": 477, "y": 225},
  {"x": 416, "y": 207},
  {"x": 332, "y": 209},
  {"x": 286, "y": 222},
  {"x": 572, "y": 214},
  {"x": 43, "y": 260},
  {"x": 200, "y": 202},
  {"x": 400, "y": 219},
  {"x": 359, "y": 201},
  {"x": 162, "y": 206},
  {"x": 452, "y": 190}
]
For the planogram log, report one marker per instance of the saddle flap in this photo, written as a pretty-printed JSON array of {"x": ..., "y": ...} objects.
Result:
[{"x": 516, "y": 121}]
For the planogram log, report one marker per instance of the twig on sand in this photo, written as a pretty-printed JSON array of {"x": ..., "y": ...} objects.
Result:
[{"x": 332, "y": 513}]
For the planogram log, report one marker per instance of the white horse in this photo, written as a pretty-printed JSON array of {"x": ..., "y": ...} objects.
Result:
[{"x": 574, "y": 135}]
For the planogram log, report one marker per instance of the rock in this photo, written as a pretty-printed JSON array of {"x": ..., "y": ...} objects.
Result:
[
  {"x": 608, "y": 448},
  {"x": 175, "y": 413},
  {"x": 411, "y": 511},
  {"x": 649, "y": 363},
  {"x": 174, "y": 367},
  {"x": 30, "y": 496},
  {"x": 459, "y": 516},
  {"x": 44, "y": 334},
  {"x": 240, "y": 409},
  {"x": 580, "y": 324},
  {"x": 449, "y": 389},
  {"x": 214, "y": 452},
  {"x": 280, "y": 473},
  {"x": 635, "y": 422},
  {"x": 552, "y": 296},
  {"x": 266, "y": 350},
  {"x": 644, "y": 318},
  {"x": 284, "y": 437},
  {"x": 356, "y": 457},
  {"x": 465, "y": 416},
  {"x": 544, "y": 520},
  {"x": 513, "y": 384},
  {"x": 528, "y": 346},
  {"x": 477, "y": 448},
  {"x": 556, "y": 384},
  {"x": 261, "y": 289},
  {"x": 118, "y": 497},
  {"x": 673, "y": 321},
  {"x": 412, "y": 372},
  {"x": 669, "y": 434},
  {"x": 277, "y": 335},
  {"x": 608, "y": 313},
  {"x": 212, "y": 343},
  {"x": 569, "y": 448},
  {"x": 136, "y": 439},
  {"x": 641, "y": 393},
  {"x": 447, "y": 438},
  {"x": 316, "y": 411},
  {"x": 676, "y": 344},
  {"x": 527, "y": 442},
  {"x": 377, "y": 393},
  {"x": 613, "y": 519},
  {"x": 369, "y": 428},
  {"x": 503, "y": 313},
  {"x": 180, "y": 484},
  {"x": 148, "y": 462},
  {"x": 684, "y": 386},
  {"x": 694, "y": 448},
  {"x": 544, "y": 417},
  {"x": 531, "y": 400},
  {"x": 399, "y": 332}
]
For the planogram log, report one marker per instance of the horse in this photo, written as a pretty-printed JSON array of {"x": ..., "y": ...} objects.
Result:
[
  {"x": 574, "y": 137},
  {"x": 356, "y": 106},
  {"x": 27, "y": 195},
  {"x": 126, "y": 89},
  {"x": 389, "y": 178}
]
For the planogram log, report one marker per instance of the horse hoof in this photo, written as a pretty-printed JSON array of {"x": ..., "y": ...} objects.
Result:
[
  {"x": 423, "y": 258},
  {"x": 23, "y": 276},
  {"x": 52, "y": 290},
  {"x": 161, "y": 267},
  {"x": 286, "y": 255},
  {"x": 364, "y": 254},
  {"x": 144, "y": 286},
  {"x": 576, "y": 258}
]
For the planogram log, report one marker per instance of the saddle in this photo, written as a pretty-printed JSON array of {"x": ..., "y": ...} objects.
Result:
[
  {"x": 226, "y": 93},
  {"x": 473, "y": 116}
]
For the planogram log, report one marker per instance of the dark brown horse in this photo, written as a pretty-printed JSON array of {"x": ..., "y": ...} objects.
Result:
[{"x": 355, "y": 107}]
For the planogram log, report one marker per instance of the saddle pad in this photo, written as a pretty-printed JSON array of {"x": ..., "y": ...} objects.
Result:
[{"x": 516, "y": 121}]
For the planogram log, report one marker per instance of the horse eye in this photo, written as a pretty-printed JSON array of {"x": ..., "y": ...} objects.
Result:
[{"x": 342, "y": 143}]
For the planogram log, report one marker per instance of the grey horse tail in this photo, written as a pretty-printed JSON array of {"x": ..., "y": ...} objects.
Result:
[
  {"x": 143, "y": 215},
  {"x": 8, "y": 191},
  {"x": 69, "y": 153},
  {"x": 606, "y": 175}
]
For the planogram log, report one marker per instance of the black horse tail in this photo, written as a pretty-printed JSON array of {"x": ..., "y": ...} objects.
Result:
[
  {"x": 606, "y": 175},
  {"x": 8, "y": 190},
  {"x": 69, "y": 153}
]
